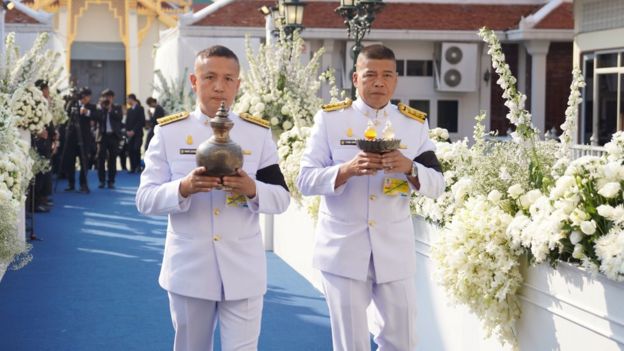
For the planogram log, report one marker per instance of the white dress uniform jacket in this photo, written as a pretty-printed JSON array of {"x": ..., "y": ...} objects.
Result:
[
  {"x": 356, "y": 220},
  {"x": 213, "y": 250}
]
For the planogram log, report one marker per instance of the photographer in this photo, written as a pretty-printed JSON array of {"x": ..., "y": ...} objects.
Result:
[
  {"x": 135, "y": 121},
  {"x": 78, "y": 139},
  {"x": 108, "y": 138}
]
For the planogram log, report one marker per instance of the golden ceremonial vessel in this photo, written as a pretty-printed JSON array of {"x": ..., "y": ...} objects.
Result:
[
  {"x": 371, "y": 143},
  {"x": 220, "y": 155}
]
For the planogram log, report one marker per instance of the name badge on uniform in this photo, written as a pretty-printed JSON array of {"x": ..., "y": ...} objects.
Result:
[
  {"x": 348, "y": 142},
  {"x": 395, "y": 186},
  {"x": 188, "y": 151},
  {"x": 233, "y": 200}
]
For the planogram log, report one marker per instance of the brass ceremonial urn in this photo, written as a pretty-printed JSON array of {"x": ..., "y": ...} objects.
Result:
[{"x": 219, "y": 154}]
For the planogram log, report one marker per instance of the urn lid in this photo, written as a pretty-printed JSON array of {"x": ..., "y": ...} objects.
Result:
[{"x": 221, "y": 124}]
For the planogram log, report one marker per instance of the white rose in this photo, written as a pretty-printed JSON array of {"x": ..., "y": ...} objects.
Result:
[
  {"x": 588, "y": 227},
  {"x": 529, "y": 198},
  {"x": 494, "y": 196},
  {"x": 274, "y": 121},
  {"x": 576, "y": 237},
  {"x": 606, "y": 211},
  {"x": 255, "y": 100},
  {"x": 609, "y": 190},
  {"x": 287, "y": 125},
  {"x": 515, "y": 190},
  {"x": 579, "y": 252}
]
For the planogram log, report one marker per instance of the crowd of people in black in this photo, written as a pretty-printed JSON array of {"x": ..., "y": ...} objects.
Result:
[{"x": 97, "y": 133}]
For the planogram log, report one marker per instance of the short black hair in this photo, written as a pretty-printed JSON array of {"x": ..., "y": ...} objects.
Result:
[
  {"x": 133, "y": 97},
  {"x": 150, "y": 100},
  {"x": 377, "y": 52},
  {"x": 84, "y": 92},
  {"x": 218, "y": 51},
  {"x": 41, "y": 84},
  {"x": 108, "y": 92}
]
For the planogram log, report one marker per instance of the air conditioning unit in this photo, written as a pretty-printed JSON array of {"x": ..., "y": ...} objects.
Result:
[{"x": 456, "y": 69}]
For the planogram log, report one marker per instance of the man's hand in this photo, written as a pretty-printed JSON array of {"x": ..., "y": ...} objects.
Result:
[
  {"x": 364, "y": 163},
  {"x": 130, "y": 133},
  {"x": 196, "y": 182},
  {"x": 395, "y": 162},
  {"x": 241, "y": 184}
]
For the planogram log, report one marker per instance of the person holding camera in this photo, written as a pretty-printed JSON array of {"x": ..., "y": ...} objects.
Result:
[
  {"x": 78, "y": 139},
  {"x": 135, "y": 121},
  {"x": 108, "y": 138}
]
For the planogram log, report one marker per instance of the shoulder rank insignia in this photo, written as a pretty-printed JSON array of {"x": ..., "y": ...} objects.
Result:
[
  {"x": 172, "y": 118},
  {"x": 337, "y": 105},
  {"x": 412, "y": 112},
  {"x": 255, "y": 120}
]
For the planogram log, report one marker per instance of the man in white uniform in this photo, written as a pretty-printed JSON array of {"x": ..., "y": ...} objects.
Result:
[
  {"x": 214, "y": 265},
  {"x": 364, "y": 235}
]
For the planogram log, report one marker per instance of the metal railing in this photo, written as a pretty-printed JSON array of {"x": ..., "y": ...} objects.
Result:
[{"x": 587, "y": 150}]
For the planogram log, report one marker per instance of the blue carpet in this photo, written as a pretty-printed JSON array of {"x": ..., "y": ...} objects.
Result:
[{"x": 92, "y": 284}]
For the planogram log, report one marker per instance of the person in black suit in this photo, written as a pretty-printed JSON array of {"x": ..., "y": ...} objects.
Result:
[
  {"x": 42, "y": 143},
  {"x": 108, "y": 137},
  {"x": 135, "y": 121},
  {"x": 78, "y": 139},
  {"x": 153, "y": 117}
]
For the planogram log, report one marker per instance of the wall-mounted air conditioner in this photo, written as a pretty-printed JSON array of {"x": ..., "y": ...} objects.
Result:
[{"x": 456, "y": 67}]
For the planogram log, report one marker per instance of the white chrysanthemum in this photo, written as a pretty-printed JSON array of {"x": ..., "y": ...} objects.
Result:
[{"x": 610, "y": 251}]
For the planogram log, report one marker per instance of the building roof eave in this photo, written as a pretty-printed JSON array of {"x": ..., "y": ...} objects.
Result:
[
  {"x": 40, "y": 16},
  {"x": 540, "y": 34},
  {"x": 28, "y": 27},
  {"x": 340, "y": 33}
]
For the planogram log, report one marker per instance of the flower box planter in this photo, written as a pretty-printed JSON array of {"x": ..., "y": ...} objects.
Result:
[{"x": 562, "y": 309}]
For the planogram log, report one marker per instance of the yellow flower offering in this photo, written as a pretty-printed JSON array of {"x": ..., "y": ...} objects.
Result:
[{"x": 370, "y": 133}]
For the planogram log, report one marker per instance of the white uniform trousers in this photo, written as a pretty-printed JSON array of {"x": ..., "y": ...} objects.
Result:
[
  {"x": 393, "y": 313},
  {"x": 195, "y": 320}
]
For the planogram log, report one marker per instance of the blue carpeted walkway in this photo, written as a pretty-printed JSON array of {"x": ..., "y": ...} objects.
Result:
[{"x": 92, "y": 284}]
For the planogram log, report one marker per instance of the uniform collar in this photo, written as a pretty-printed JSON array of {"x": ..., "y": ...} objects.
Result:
[
  {"x": 203, "y": 118},
  {"x": 370, "y": 112}
]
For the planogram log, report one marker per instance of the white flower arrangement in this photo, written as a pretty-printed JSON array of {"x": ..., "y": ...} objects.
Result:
[
  {"x": 279, "y": 87},
  {"x": 520, "y": 196},
  {"x": 290, "y": 148},
  {"x": 479, "y": 267},
  {"x": 31, "y": 109},
  {"x": 22, "y": 105},
  {"x": 174, "y": 96}
]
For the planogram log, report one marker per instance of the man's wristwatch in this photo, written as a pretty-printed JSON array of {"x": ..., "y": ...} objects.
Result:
[{"x": 414, "y": 172}]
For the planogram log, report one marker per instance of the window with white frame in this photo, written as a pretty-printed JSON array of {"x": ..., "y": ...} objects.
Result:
[{"x": 602, "y": 112}]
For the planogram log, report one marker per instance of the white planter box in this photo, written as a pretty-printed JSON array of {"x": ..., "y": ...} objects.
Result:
[
  {"x": 562, "y": 309},
  {"x": 3, "y": 268},
  {"x": 293, "y": 241}
]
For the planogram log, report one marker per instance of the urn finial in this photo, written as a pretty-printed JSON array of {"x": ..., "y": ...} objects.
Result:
[
  {"x": 219, "y": 154},
  {"x": 221, "y": 125}
]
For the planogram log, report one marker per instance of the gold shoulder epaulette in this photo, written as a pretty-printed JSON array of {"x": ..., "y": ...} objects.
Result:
[
  {"x": 255, "y": 120},
  {"x": 172, "y": 118},
  {"x": 412, "y": 112},
  {"x": 337, "y": 105}
]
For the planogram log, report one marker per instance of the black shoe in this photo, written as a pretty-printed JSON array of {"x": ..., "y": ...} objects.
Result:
[
  {"x": 84, "y": 189},
  {"x": 70, "y": 188},
  {"x": 101, "y": 186},
  {"x": 111, "y": 185}
]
